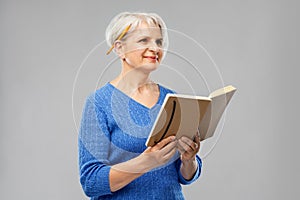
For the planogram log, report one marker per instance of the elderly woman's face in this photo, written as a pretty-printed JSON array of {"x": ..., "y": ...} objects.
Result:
[{"x": 143, "y": 47}]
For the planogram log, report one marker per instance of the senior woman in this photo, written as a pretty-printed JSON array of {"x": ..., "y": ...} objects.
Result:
[{"x": 117, "y": 119}]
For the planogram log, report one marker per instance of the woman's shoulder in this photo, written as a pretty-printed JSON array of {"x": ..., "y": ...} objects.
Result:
[
  {"x": 104, "y": 90},
  {"x": 101, "y": 94},
  {"x": 165, "y": 90}
]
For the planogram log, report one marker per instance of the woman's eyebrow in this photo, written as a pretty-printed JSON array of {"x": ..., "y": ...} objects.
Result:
[
  {"x": 143, "y": 36},
  {"x": 148, "y": 36}
]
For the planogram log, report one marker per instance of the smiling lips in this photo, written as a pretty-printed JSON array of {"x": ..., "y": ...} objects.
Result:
[{"x": 152, "y": 58}]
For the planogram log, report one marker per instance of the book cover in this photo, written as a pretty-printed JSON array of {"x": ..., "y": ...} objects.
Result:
[{"x": 184, "y": 115}]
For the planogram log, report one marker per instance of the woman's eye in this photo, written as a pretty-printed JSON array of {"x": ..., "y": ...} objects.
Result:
[
  {"x": 143, "y": 40},
  {"x": 159, "y": 42}
]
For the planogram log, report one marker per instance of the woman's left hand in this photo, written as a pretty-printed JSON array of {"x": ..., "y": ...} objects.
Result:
[{"x": 188, "y": 148}]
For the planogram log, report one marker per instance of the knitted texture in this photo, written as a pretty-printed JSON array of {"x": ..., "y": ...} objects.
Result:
[{"x": 114, "y": 129}]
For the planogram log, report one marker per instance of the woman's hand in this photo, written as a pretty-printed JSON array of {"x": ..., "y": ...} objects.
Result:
[
  {"x": 161, "y": 153},
  {"x": 123, "y": 173},
  {"x": 188, "y": 148}
]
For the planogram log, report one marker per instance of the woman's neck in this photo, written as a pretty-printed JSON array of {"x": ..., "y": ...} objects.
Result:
[{"x": 132, "y": 81}]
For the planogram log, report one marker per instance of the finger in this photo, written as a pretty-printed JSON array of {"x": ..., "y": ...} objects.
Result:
[
  {"x": 187, "y": 140},
  {"x": 180, "y": 148},
  {"x": 190, "y": 143},
  {"x": 198, "y": 134},
  {"x": 169, "y": 147},
  {"x": 164, "y": 142},
  {"x": 185, "y": 146},
  {"x": 169, "y": 155},
  {"x": 197, "y": 140}
]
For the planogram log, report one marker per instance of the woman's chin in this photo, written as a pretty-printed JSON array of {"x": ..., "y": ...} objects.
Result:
[{"x": 149, "y": 67}]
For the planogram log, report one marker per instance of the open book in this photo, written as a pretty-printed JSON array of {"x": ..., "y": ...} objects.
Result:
[{"x": 185, "y": 115}]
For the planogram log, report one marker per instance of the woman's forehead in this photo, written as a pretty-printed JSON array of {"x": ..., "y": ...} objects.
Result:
[
  {"x": 145, "y": 25},
  {"x": 146, "y": 29}
]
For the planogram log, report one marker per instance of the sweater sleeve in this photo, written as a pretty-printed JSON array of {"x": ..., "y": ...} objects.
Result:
[
  {"x": 181, "y": 179},
  {"x": 93, "y": 146}
]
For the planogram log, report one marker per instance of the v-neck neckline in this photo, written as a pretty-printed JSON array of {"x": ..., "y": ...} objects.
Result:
[{"x": 133, "y": 100}]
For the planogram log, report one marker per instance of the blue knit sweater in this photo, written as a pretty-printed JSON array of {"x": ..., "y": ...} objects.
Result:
[{"x": 114, "y": 129}]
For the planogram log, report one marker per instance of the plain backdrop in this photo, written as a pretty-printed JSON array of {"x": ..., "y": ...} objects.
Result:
[{"x": 255, "y": 45}]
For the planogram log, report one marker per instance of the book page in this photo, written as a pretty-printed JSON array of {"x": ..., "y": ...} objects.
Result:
[{"x": 220, "y": 99}]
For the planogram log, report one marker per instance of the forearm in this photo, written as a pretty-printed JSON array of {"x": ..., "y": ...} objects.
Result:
[
  {"x": 119, "y": 179},
  {"x": 188, "y": 168},
  {"x": 98, "y": 179},
  {"x": 123, "y": 173}
]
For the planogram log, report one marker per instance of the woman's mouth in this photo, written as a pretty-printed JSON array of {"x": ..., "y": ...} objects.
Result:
[{"x": 152, "y": 58}]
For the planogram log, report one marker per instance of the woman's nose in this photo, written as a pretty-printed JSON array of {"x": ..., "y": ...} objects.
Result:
[{"x": 153, "y": 47}]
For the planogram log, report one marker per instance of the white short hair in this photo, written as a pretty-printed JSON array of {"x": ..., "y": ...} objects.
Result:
[{"x": 124, "y": 19}]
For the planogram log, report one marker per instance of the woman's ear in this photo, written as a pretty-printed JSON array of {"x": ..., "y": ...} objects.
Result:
[{"x": 119, "y": 49}]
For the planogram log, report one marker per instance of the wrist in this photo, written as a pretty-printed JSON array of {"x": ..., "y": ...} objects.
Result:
[
  {"x": 188, "y": 169},
  {"x": 189, "y": 161},
  {"x": 145, "y": 162}
]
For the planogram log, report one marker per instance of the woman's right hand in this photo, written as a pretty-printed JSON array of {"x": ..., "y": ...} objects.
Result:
[
  {"x": 159, "y": 154},
  {"x": 123, "y": 173},
  {"x": 151, "y": 158}
]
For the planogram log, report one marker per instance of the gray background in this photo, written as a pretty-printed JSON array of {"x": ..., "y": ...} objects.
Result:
[{"x": 254, "y": 43}]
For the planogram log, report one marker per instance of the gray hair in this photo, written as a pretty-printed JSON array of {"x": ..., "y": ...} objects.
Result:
[{"x": 124, "y": 19}]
